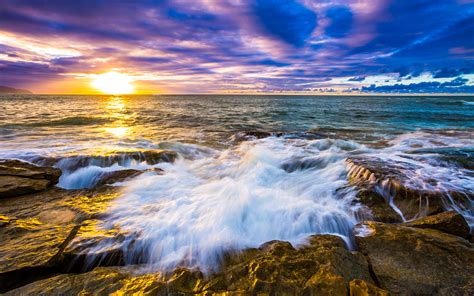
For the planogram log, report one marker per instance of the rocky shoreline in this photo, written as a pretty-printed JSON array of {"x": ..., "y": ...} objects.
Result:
[{"x": 410, "y": 243}]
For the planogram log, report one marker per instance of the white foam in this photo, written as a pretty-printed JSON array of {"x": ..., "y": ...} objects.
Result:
[{"x": 238, "y": 199}]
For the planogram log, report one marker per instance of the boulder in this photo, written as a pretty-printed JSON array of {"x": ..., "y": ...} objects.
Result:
[
  {"x": 19, "y": 177},
  {"x": 390, "y": 180},
  {"x": 449, "y": 222},
  {"x": 417, "y": 261}
]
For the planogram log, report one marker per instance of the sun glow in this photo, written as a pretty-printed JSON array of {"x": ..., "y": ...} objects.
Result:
[{"x": 113, "y": 83}]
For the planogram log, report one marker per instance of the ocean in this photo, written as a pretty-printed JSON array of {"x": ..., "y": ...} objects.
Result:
[{"x": 251, "y": 168}]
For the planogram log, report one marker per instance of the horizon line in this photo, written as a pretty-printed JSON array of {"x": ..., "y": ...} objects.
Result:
[{"x": 245, "y": 94}]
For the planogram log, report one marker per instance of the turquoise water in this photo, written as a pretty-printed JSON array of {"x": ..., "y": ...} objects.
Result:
[
  {"x": 138, "y": 120},
  {"x": 229, "y": 189}
]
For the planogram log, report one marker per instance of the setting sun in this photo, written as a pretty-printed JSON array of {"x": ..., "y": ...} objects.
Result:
[{"x": 113, "y": 83}]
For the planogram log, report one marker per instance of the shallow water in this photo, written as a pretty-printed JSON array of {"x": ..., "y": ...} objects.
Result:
[{"x": 226, "y": 191}]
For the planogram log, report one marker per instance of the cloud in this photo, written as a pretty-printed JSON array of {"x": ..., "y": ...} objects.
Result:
[
  {"x": 220, "y": 45},
  {"x": 453, "y": 72},
  {"x": 357, "y": 78},
  {"x": 287, "y": 20},
  {"x": 341, "y": 19},
  {"x": 457, "y": 85}
]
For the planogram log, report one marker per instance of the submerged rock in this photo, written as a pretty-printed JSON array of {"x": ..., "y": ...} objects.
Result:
[
  {"x": 416, "y": 261},
  {"x": 461, "y": 156},
  {"x": 449, "y": 222},
  {"x": 389, "y": 180},
  {"x": 19, "y": 177}
]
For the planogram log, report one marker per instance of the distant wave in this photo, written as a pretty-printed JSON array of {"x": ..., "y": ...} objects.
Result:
[
  {"x": 467, "y": 102},
  {"x": 453, "y": 103},
  {"x": 76, "y": 120},
  {"x": 67, "y": 121}
]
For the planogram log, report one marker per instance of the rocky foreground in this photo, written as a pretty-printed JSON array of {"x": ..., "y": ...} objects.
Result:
[{"x": 418, "y": 247}]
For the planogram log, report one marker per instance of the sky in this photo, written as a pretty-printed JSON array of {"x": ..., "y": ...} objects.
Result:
[{"x": 238, "y": 46}]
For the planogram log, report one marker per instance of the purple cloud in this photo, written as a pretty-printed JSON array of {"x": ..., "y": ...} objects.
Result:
[{"x": 227, "y": 45}]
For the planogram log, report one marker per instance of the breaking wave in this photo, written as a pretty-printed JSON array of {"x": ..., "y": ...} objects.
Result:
[{"x": 240, "y": 198}]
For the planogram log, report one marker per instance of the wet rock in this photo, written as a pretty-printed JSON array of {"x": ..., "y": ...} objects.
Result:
[
  {"x": 184, "y": 280},
  {"x": 19, "y": 177},
  {"x": 93, "y": 246},
  {"x": 250, "y": 135},
  {"x": 37, "y": 229},
  {"x": 416, "y": 261},
  {"x": 115, "y": 176},
  {"x": 323, "y": 265},
  {"x": 112, "y": 177},
  {"x": 390, "y": 180},
  {"x": 92, "y": 204},
  {"x": 449, "y": 222},
  {"x": 461, "y": 156},
  {"x": 304, "y": 164},
  {"x": 100, "y": 281},
  {"x": 380, "y": 210},
  {"x": 4, "y": 220},
  {"x": 31, "y": 251},
  {"x": 122, "y": 158},
  {"x": 362, "y": 288}
]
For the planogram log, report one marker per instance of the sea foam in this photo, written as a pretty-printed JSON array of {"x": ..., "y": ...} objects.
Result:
[{"x": 237, "y": 199}]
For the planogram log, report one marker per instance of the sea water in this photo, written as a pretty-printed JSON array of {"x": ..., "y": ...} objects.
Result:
[{"x": 228, "y": 191}]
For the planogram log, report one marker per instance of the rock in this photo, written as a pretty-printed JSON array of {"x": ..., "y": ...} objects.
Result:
[
  {"x": 100, "y": 281},
  {"x": 92, "y": 204},
  {"x": 362, "y": 288},
  {"x": 115, "y": 176},
  {"x": 449, "y": 222},
  {"x": 122, "y": 158},
  {"x": 461, "y": 156},
  {"x": 19, "y": 177},
  {"x": 94, "y": 246},
  {"x": 112, "y": 177},
  {"x": 185, "y": 281},
  {"x": 416, "y": 261},
  {"x": 250, "y": 135},
  {"x": 380, "y": 210},
  {"x": 31, "y": 251},
  {"x": 38, "y": 227},
  {"x": 304, "y": 164},
  {"x": 4, "y": 220},
  {"x": 322, "y": 266},
  {"x": 390, "y": 180}
]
